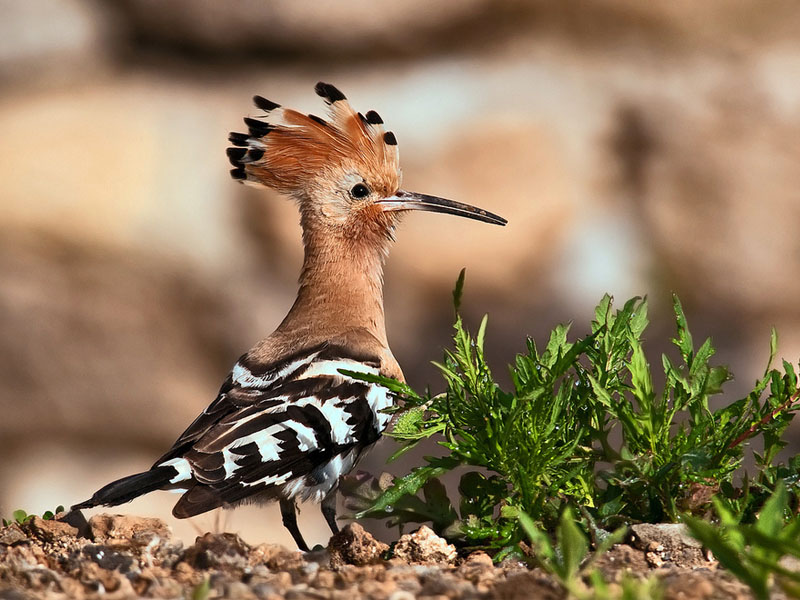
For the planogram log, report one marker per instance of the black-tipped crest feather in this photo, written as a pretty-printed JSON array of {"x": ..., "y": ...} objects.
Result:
[
  {"x": 330, "y": 92},
  {"x": 264, "y": 104}
]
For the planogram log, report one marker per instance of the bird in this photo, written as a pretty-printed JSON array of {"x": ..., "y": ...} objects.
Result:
[{"x": 287, "y": 423}]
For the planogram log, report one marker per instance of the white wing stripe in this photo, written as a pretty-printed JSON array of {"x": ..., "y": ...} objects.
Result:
[
  {"x": 269, "y": 480},
  {"x": 331, "y": 368},
  {"x": 379, "y": 398},
  {"x": 334, "y": 412},
  {"x": 268, "y": 444},
  {"x": 306, "y": 438},
  {"x": 242, "y": 376},
  {"x": 182, "y": 466}
]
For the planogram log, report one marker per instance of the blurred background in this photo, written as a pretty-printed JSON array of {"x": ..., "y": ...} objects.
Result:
[{"x": 636, "y": 148}]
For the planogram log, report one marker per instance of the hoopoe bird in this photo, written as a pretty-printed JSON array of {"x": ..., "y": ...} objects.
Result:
[{"x": 287, "y": 423}]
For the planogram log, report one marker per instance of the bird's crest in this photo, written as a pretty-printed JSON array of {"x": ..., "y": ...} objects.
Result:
[{"x": 291, "y": 150}]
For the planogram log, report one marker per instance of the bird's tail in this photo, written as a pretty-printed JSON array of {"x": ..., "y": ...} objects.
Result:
[{"x": 126, "y": 489}]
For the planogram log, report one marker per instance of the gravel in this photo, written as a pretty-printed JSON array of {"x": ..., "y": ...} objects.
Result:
[{"x": 120, "y": 557}]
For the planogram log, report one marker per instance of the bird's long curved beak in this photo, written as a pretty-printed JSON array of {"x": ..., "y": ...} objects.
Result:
[{"x": 403, "y": 200}]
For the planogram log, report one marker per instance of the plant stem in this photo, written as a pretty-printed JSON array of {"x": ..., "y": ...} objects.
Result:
[{"x": 753, "y": 428}]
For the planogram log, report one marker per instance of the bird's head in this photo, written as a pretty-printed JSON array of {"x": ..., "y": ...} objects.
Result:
[{"x": 344, "y": 172}]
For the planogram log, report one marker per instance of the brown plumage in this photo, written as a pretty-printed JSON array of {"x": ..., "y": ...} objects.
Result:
[{"x": 287, "y": 423}]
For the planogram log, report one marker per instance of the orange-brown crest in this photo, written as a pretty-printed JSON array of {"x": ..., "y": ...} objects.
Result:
[{"x": 305, "y": 156}]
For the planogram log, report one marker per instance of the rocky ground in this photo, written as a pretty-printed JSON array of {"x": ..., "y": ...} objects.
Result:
[{"x": 122, "y": 557}]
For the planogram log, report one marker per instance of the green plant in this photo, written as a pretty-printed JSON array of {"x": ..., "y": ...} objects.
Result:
[
  {"x": 202, "y": 590},
  {"x": 752, "y": 552},
  {"x": 20, "y": 517},
  {"x": 674, "y": 445},
  {"x": 569, "y": 562},
  {"x": 582, "y": 425},
  {"x": 49, "y": 515}
]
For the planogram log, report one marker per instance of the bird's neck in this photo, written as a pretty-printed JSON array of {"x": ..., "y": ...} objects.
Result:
[{"x": 341, "y": 287}]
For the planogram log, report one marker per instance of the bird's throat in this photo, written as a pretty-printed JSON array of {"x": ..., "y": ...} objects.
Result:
[{"x": 341, "y": 287}]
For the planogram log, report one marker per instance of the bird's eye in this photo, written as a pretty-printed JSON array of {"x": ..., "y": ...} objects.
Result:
[{"x": 359, "y": 191}]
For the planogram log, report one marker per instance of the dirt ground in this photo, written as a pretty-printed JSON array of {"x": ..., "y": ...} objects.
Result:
[{"x": 115, "y": 556}]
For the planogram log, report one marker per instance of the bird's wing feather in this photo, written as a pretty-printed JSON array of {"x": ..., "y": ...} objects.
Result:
[
  {"x": 290, "y": 429},
  {"x": 249, "y": 384}
]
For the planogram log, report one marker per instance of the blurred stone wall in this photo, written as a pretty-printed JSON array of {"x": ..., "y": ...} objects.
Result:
[{"x": 636, "y": 148}]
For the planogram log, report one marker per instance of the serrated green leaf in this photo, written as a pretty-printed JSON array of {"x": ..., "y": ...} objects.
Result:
[
  {"x": 683, "y": 339},
  {"x": 639, "y": 320},
  {"x": 409, "y": 422},
  {"x": 481, "y": 333},
  {"x": 602, "y": 313},
  {"x": 717, "y": 377},
  {"x": 704, "y": 353},
  {"x": 408, "y": 485}
]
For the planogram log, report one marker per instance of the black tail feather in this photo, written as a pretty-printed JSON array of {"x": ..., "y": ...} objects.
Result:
[{"x": 126, "y": 489}]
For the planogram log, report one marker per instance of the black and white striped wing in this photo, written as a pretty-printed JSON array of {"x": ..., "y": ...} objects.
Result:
[{"x": 287, "y": 431}]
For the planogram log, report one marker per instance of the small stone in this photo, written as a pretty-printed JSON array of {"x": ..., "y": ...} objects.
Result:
[
  {"x": 424, "y": 546},
  {"x": 479, "y": 559},
  {"x": 526, "y": 585},
  {"x": 355, "y": 546},
  {"x": 446, "y": 585},
  {"x": 265, "y": 591},
  {"x": 668, "y": 535},
  {"x": 71, "y": 587},
  {"x": 654, "y": 560},
  {"x": 97, "y": 578},
  {"x": 371, "y": 588},
  {"x": 267, "y": 553},
  {"x": 412, "y": 586},
  {"x": 184, "y": 573},
  {"x": 478, "y": 568},
  {"x": 12, "y": 534},
  {"x": 214, "y": 550},
  {"x": 301, "y": 591},
  {"x": 108, "y": 557},
  {"x": 282, "y": 579},
  {"x": 325, "y": 580},
  {"x": 49, "y": 530},
  {"x": 236, "y": 590},
  {"x": 348, "y": 574},
  {"x": 671, "y": 542},
  {"x": 276, "y": 557},
  {"x": 698, "y": 585},
  {"x": 124, "y": 530}
]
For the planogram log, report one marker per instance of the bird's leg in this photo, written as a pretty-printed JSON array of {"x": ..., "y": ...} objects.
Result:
[
  {"x": 328, "y": 507},
  {"x": 290, "y": 522}
]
